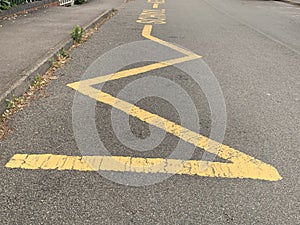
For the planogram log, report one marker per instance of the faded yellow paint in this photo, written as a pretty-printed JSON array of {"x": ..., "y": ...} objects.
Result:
[
  {"x": 52, "y": 162},
  {"x": 94, "y": 162},
  {"x": 69, "y": 163},
  {"x": 17, "y": 160},
  {"x": 156, "y": 1},
  {"x": 152, "y": 16},
  {"x": 146, "y": 165},
  {"x": 155, "y": 6},
  {"x": 34, "y": 162}
]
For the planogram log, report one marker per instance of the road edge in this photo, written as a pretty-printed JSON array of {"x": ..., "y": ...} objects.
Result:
[
  {"x": 44, "y": 63},
  {"x": 290, "y": 2}
]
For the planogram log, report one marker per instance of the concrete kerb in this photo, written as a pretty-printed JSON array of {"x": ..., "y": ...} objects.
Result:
[
  {"x": 297, "y": 3},
  {"x": 22, "y": 85}
]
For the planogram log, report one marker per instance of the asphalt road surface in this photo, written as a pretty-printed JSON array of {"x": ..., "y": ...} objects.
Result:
[{"x": 231, "y": 74}]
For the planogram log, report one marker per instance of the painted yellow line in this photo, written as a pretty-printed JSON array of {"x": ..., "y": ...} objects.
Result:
[
  {"x": 241, "y": 161},
  {"x": 242, "y": 164},
  {"x": 133, "y": 164},
  {"x": 155, "y": 6},
  {"x": 132, "y": 72},
  {"x": 139, "y": 70},
  {"x": 156, "y": 1},
  {"x": 147, "y": 34},
  {"x": 152, "y": 16}
]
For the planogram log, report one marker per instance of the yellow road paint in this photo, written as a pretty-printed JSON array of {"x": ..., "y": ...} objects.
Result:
[
  {"x": 241, "y": 165},
  {"x": 131, "y": 72},
  {"x": 155, "y": 6},
  {"x": 156, "y": 1},
  {"x": 147, "y": 34},
  {"x": 137, "y": 71},
  {"x": 152, "y": 16},
  {"x": 17, "y": 160},
  {"x": 142, "y": 165},
  {"x": 32, "y": 161},
  {"x": 241, "y": 161}
]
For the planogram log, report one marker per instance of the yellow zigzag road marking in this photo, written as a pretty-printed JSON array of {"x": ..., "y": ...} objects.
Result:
[
  {"x": 147, "y": 34},
  {"x": 131, "y": 72},
  {"x": 241, "y": 161},
  {"x": 241, "y": 166},
  {"x": 139, "y": 70}
]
